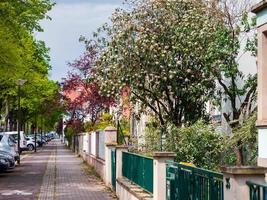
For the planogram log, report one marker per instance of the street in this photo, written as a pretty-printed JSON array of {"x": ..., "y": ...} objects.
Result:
[{"x": 52, "y": 173}]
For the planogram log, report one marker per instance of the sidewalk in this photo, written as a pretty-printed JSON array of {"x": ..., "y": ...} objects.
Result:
[{"x": 66, "y": 178}]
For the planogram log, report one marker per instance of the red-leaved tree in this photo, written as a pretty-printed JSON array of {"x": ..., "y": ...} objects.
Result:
[{"x": 82, "y": 98}]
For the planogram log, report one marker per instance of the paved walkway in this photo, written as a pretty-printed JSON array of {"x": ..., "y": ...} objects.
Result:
[
  {"x": 66, "y": 179},
  {"x": 54, "y": 173}
]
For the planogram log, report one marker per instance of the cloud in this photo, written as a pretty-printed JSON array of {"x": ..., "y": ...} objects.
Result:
[{"x": 70, "y": 20}]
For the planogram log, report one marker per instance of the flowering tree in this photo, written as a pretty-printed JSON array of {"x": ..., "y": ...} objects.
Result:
[
  {"x": 82, "y": 97},
  {"x": 166, "y": 52}
]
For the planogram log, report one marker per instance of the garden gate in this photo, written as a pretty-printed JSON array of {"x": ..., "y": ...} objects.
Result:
[
  {"x": 191, "y": 183},
  {"x": 113, "y": 168}
]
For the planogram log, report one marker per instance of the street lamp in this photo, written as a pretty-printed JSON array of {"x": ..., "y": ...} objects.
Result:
[{"x": 19, "y": 83}]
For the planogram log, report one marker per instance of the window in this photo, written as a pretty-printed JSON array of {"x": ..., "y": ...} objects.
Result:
[
  {"x": 10, "y": 141},
  {"x": 15, "y": 136}
]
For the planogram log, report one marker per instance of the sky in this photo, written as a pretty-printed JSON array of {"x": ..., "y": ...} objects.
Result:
[
  {"x": 73, "y": 18},
  {"x": 70, "y": 20}
]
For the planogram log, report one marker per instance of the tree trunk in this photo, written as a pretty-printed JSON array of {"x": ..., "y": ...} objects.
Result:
[
  {"x": 7, "y": 127},
  {"x": 239, "y": 156}
]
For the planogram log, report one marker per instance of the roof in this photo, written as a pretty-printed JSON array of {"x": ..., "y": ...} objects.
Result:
[{"x": 259, "y": 7}]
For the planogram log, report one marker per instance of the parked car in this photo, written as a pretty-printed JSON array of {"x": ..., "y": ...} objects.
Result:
[
  {"x": 8, "y": 148},
  {"x": 8, "y": 144},
  {"x": 4, "y": 164},
  {"x": 39, "y": 141},
  {"x": 23, "y": 141},
  {"x": 51, "y": 135},
  {"x": 30, "y": 143},
  {"x": 44, "y": 138},
  {"x": 9, "y": 158}
]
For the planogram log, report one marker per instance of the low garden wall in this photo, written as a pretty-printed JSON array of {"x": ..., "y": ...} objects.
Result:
[
  {"x": 97, "y": 163},
  {"x": 136, "y": 177}
]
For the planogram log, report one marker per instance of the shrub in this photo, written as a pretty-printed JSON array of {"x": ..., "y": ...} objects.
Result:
[
  {"x": 198, "y": 144},
  {"x": 69, "y": 132}
]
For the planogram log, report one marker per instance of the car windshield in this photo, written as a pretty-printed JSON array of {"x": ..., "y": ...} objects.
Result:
[{"x": 1, "y": 136}]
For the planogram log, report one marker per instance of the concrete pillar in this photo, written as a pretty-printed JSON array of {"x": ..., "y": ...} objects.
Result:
[
  {"x": 93, "y": 143},
  {"x": 119, "y": 150},
  {"x": 159, "y": 173},
  {"x": 235, "y": 178},
  {"x": 108, "y": 148},
  {"x": 110, "y": 135}
]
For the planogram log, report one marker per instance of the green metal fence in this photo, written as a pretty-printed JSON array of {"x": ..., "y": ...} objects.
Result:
[
  {"x": 138, "y": 169},
  {"x": 191, "y": 183},
  {"x": 113, "y": 168},
  {"x": 257, "y": 191}
]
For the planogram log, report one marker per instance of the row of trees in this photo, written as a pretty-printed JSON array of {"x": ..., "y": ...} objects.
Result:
[
  {"x": 24, "y": 57},
  {"x": 175, "y": 56}
]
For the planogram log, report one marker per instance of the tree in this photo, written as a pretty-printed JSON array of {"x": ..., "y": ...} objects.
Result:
[
  {"x": 23, "y": 57},
  {"x": 25, "y": 14},
  {"x": 235, "y": 87},
  {"x": 174, "y": 54},
  {"x": 165, "y": 51},
  {"x": 82, "y": 97},
  {"x": 245, "y": 138}
]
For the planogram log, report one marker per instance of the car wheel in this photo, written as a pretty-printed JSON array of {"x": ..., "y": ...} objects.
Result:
[{"x": 30, "y": 147}]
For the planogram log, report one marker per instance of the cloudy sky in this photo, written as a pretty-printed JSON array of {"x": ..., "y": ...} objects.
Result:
[
  {"x": 73, "y": 18},
  {"x": 70, "y": 20}
]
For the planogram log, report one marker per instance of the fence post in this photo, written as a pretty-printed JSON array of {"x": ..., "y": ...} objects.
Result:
[
  {"x": 108, "y": 178},
  {"x": 110, "y": 144},
  {"x": 110, "y": 135},
  {"x": 119, "y": 150},
  {"x": 159, "y": 173},
  {"x": 235, "y": 178}
]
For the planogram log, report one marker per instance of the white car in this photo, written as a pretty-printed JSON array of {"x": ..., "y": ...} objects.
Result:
[
  {"x": 23, "y": 141},
  {"x": 30, "y": 143}
]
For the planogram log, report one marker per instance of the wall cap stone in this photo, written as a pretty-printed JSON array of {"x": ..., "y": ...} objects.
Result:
[
  {"x": 111, "y": 144},
  {"x": 164, "y": 155},
  {"x": 134, "y": 189},
  {"x": 110, "y": 128},
  {"x": 261, "y": 124},
  {"x": 243, "y": 170},
  {"x": 259, "y": 7},
  {"x": 121, "y": 147}
]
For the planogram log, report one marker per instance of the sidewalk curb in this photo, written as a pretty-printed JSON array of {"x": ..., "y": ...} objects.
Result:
[{"x": 30, "y": 153}]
